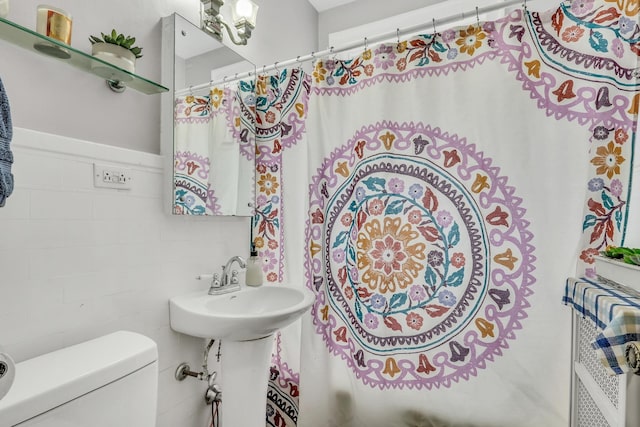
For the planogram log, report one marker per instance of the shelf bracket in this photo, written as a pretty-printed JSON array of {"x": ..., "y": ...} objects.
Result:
[{"x": 116, "y": 86}]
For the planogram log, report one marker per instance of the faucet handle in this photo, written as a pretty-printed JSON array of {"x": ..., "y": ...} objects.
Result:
[
  {"x": 234, "y": 277},
  {"x": 215, "y": 281}
]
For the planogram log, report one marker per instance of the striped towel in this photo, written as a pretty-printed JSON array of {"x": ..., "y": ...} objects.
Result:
[
  {"x": 6, "y": 156},
  {"x": 616, "y": 312}
]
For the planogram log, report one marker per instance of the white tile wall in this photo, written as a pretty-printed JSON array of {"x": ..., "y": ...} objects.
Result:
[{"x": 77, "y": 262}]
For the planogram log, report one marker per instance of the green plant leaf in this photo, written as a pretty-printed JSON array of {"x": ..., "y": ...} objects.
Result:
[{"x": 136, "y": 51}]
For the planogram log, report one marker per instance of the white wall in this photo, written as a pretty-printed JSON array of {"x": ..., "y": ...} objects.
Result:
[
  {"x": 370, "y": 18},
  {"x": 49, "y": 96},
  {"x": 79, "y": 261},
  {"x": 362, "y": 12}
]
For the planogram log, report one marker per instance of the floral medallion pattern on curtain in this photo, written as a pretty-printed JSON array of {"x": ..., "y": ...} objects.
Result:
[
  {"x": 419, "y": 250},
  {"x": 407, "y": 257},
  {"x": 194, "y": 117}
]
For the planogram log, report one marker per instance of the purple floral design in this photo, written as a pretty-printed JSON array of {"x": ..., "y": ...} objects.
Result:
[
  {"x": 581, "y": 7},
  {"x": 371, "y": 320},
  {"x": 268, "y": 260},
  {"x": 447, "y": 298},
  {"x": 378, "y": 301},
  {"x": 385, "y": 57},
  {"x": 396, "y": 185},
  {"x": 626, "y": 25},
  {"x": 416, "y": 191}
]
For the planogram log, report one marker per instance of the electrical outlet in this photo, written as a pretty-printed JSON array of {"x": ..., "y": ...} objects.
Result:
[{"x": 111, "y": 177}]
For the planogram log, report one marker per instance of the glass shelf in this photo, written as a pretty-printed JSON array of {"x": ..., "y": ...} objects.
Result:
[{"x": 35, "y": 42}]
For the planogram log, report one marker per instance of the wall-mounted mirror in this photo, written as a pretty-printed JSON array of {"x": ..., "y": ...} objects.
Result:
[{"x": 212, "y": 122}]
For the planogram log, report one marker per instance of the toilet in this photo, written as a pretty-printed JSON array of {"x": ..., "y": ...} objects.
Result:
[{"x": 105, "y": 382}]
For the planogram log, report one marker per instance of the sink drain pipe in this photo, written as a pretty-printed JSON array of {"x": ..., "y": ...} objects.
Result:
[{"x": 214, "y": 392}]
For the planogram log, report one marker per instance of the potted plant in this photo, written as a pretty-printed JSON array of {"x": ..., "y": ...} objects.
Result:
[{"x": 116, "y": 49}]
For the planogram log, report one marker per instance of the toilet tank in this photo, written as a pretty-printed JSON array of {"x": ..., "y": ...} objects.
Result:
[{"x": 105, "y": 382}]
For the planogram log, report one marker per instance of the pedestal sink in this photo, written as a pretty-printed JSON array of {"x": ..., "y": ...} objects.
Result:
[{"x": 245, "y": 321}]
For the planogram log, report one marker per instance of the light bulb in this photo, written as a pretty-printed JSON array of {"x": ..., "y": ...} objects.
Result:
[{"x": 244, "y": 9}]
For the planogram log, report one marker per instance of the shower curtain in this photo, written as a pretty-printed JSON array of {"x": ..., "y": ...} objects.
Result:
[
  {"x": 453, "y": 182},
  {"x": 280, "y": 107},
  {"x": 211, "y": 134}
]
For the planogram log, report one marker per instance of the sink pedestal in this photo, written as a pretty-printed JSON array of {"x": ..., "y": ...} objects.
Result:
[
  {"x": 244, "y": 321},
  {"x": 245, "y": 378}
]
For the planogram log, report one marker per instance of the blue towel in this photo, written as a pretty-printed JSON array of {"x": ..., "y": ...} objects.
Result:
[{"x": 6, "y": 156}]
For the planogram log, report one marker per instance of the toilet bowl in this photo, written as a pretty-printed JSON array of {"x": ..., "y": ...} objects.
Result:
[{"x": 105, "y": 382}]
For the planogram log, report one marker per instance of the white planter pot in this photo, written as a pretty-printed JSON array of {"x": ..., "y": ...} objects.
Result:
[{"x": 115, "y": 55}]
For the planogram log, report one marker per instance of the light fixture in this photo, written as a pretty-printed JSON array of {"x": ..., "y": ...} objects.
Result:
[{"x": 244, "y": 19}]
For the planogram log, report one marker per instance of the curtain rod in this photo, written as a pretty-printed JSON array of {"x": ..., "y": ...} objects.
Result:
[{"x": 348, "y": 46}]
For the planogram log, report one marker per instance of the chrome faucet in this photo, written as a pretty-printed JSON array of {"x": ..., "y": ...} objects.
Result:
[{"x": 229, "y": 281}]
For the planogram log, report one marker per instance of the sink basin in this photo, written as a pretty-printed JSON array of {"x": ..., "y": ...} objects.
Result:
[
  {"x": 245, "y": 320},
  {"x": 248, "y": 314}
]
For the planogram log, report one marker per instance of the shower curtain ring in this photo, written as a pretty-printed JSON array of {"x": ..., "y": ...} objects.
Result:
[
  {"x": 299, "y": 63},
  {"x": 477, "y": 17},
  {"x": 398, "y": 35},
  {"x": 366, "y": 44},
  {"x": 275, "y": 65},
  {"x": 435, "y": 32}
]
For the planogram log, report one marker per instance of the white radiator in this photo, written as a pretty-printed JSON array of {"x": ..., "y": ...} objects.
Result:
[{"x": 598, "y": 399}]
